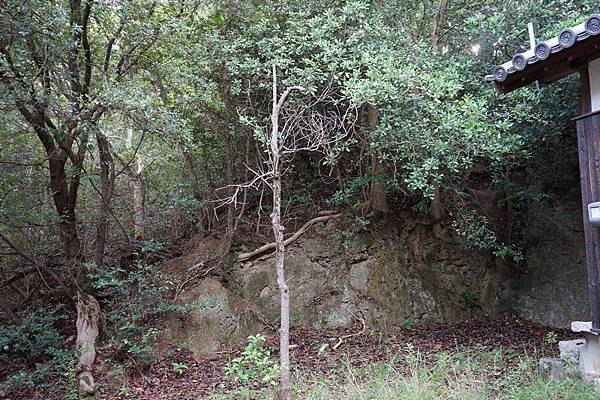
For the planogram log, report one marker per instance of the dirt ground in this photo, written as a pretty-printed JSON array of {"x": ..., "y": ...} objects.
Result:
[{"x": 358, "y": 347}]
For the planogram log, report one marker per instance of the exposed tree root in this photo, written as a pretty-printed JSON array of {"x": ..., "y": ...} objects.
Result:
[{"x": 291, "y": 239}]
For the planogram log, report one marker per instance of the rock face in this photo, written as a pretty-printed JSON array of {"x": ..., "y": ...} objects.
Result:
[
  {"x": 394, "y": 274},
  {"x": 216, "y": 323},
  {"x": 554, "y": 291}
]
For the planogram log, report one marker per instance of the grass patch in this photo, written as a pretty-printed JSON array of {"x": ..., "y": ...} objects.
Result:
[{"x": 464, "y": 375}]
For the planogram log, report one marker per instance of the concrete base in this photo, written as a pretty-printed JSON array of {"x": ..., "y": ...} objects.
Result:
[
  {"x": 589, "y": 359},
  {"x": 557, "y": 369},
  {"x": 570, "y": 349},
  {"x": 579, "y": 357}
]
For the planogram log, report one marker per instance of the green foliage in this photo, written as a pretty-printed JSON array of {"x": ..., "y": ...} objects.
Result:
[
  {"x": 71, "y": 380},
  {"x": 407, "y": 324},
  {"x": 134, "y": 299},
  {"x": 475, "y": 231},
  {"x": 551, "y": 338},
  {"x": 457, "y": 376},
  {"x": 36, "y": 340},
  {"x": 180, "y": 368},
  {"x": 255, "y": 364},
  {"x": 439, "y": 126},
  {"x": 349, "y": 196}
]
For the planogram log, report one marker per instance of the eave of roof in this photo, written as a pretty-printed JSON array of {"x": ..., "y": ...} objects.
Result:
[{"x": 552, "y": 59}]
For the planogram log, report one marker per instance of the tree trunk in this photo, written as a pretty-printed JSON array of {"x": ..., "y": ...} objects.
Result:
[
  {"x": 227, "y": 139},
  {"x": 436, "y": 211},
  {"x": 435, "y": 208},
  {"x": 278, "y": 229},
  {"x": 377, "y": 195},
  {"x": 64, "y": 201},
  {"x": 437, "y": 24},
  {"x": 191, "y": 170},
  {"x": 88, "y": 311},
  {"x": 228, "y": 156},
  {"x": 107, "y": 183},
  {"x": 139, "y": 206},
  {"x": 134, "y": 172}
]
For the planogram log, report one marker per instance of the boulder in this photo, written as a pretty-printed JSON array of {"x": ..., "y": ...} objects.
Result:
[{"x": 216, "y": 322}]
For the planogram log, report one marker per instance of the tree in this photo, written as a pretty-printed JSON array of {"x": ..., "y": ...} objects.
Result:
[
  {"x": 64, "y": 66},
  {"x": 305, "y": 125}
]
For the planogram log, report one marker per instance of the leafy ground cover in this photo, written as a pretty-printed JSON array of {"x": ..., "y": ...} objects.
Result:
[{"x": 466, "y": 360}]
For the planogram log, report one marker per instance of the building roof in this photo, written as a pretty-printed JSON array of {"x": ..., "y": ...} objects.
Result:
[{"x": 552, "y": 59}]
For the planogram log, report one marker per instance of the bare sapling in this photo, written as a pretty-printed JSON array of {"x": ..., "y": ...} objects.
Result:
[{"x": 308, "y": 124}]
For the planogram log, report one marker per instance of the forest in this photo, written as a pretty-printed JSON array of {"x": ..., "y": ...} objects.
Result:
[{"x": 317, "y": 199}]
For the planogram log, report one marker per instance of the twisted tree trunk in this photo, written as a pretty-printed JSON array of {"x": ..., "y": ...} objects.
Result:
[{"x": 88, "y": 311}]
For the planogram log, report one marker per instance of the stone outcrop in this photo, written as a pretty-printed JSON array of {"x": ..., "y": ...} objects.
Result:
[
  {"x": 554, "y": 290},
  {"x": 394, "y": 273}
]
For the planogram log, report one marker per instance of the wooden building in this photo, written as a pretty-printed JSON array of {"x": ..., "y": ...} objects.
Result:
[{"x": 574, "y": 50}]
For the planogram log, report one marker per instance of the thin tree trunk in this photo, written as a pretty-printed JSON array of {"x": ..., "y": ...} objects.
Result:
[
  {"x": 437, "y": 24},
  {"x": 435, "y": 208},
  {"x": 284, "y": 330},
  {"x": 436, "y": 211},
  {"x": 230, "y": 230},
  {"x": 227, "y": 139},
  {"x": 191, "y": 170},
  {"x": 377, "y": 195},
  {"x": 107, "y": 182},
  {"x": 134, "y": 172},
  {"x": 228, "y": 156},
  {"x": 139, "y": 206}
]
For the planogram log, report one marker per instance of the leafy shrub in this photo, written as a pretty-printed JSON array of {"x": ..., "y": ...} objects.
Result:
[
  {"x": 475, "y": 231},
  {"x": 35, "y": 341},
  {"x": 350, "y": 194},
  {"x": 132, "y": 300},
  {"x": 255, "y": 364}
]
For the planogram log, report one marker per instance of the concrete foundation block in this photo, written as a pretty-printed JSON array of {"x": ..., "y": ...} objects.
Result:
[
  {"x": 589, "y": 352},
  {"x": 589, "y": 358},
  {"x": 581, "y": 326},
  {"x": 570, "y": 349},
  {"x": 555, "y": 368}
]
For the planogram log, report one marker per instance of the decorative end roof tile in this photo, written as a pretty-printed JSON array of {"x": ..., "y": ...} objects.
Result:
[{"x": 566, "y": 38}]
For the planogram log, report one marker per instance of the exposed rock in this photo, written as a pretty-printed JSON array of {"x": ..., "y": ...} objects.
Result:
[
  {"x": 554, "y": 290},
  {"x": 216, "y": 323},
  {"x": 395, "y": 272},
  {"x": 360, "y": 273}
]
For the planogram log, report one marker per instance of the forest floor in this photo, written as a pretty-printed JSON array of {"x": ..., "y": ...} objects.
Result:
[{"x": 499, "y": 346}]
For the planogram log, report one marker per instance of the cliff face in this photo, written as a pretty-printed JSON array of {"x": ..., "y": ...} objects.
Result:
[
  {"x": 554, "y": 290},
  {"x": 394, "y": 274}
]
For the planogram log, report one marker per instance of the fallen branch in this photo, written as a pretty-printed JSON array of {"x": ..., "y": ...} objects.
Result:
[
  {"x": 291, "y": 239},
  {"x": 341, "y": 338}
]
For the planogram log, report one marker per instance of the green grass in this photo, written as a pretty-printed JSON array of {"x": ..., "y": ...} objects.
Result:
[{"x": 465, "y": 375}]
